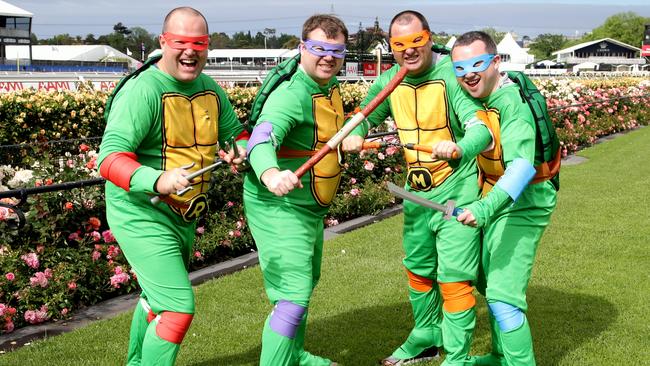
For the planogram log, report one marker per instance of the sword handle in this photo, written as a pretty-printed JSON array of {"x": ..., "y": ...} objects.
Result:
[
  {"x": 373, "y": 145},
  {"x": 427, "y": 149},
  {"x": 457, "y": 211}
]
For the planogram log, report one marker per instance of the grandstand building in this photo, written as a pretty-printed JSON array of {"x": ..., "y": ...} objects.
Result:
[{"x": 15, "y": 29}]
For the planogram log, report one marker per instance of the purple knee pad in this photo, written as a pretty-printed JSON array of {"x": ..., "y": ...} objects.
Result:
[
  {"x": 286, "y": 318},
  {"x": 262, "y": 133}
]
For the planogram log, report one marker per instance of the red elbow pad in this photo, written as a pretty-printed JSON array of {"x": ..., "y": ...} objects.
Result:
[
  {"x": 244, "y": 135},
  {"x": 118, "y": 168}
]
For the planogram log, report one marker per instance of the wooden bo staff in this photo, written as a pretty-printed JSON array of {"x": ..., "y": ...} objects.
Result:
[{"x": 354, "y": 122}]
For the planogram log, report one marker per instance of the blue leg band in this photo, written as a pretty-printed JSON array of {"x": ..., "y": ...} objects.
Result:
[
  {"x": 517, "y": 176},
  {"x": 286, "y": 318},
  {"x": 509, "y": 317}
]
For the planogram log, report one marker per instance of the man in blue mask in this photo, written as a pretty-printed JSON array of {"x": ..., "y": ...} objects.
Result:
[{"x": 518, "y": 197}]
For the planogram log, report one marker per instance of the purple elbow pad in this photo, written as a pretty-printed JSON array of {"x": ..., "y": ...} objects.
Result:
[
  {"x": 262, "y": 133},
  {"x": 286, "y": 318}
]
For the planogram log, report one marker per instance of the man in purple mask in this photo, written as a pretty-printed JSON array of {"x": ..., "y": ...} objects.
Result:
[{"x": 286, "y": 220}]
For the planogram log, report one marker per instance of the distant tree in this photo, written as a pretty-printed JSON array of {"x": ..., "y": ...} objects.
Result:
[
  {"x": 121, "y": 29},
  {"x": 138, "y": 38},
  {"x": 545, "y": 44},
  {"x": 441, "y": 38},
  {"x": 90, "y": 39},
  {"x": 242, "y": 40},
  {"x": 624, "y": 27},
  {"x": 288, "y": 41},
  {"x": 60, "y": 39},
  {"x": 115, "y": 40},
  {"x": 270, "y": 40},
  {"x": 220, "y": 40},
  {"x": 496, "y": 35},
  {"x": 259, "y": 41},
  {"x": 33, "y": 38}
]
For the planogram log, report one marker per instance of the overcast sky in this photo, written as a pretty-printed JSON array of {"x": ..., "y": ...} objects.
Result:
[{"x": 527, "y": 17}]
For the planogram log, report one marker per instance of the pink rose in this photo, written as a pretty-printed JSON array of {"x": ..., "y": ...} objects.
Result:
[
  {"x": 108, "y": 236},
  {"x": 96, "y": 255},
  {"x": 39, "y": 279},
  {"x": 368, "y": 165},
  {"x": 10, "y": 276},
  {"x": 31, "y": 259},
  {"x": 119, "y": 279}
]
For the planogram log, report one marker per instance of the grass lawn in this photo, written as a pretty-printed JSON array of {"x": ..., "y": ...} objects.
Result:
[{"x": 588, "y": 297}]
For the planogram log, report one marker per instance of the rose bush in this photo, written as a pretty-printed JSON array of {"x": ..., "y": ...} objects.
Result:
[{"x": 66, "y": 257}]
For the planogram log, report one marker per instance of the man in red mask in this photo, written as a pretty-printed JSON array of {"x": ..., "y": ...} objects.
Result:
[{"x": 164, "y": 122}]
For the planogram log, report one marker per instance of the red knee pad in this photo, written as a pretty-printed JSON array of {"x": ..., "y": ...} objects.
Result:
[{"x": 173, "y": 326}]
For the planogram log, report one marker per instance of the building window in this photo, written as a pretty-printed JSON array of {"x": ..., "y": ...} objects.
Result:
[{"x": 20, "y": 23}]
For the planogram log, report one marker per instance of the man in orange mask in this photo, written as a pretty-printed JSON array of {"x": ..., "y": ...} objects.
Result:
[{"x": 441, "y": 256}]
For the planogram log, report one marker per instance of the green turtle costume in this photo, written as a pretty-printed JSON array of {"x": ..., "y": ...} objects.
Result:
[
  {"x": 519, "y": 196},
  {"x": 297, "y": 119},
  {"x": 156, "y": 123},
  {"x": 428, "y": 108}
]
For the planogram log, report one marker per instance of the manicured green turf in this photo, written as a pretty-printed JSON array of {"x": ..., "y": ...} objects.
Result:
[{"x": 588, "y": 297}]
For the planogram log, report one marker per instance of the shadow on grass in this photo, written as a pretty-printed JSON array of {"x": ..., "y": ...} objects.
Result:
[
  {"x": 359, "y": 337},
  {"x": 560, "y": 323}
]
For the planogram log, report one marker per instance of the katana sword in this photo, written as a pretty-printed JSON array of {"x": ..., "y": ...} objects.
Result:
[
  {"x": 449, "y": 209},
  {"x": 156, "y": 200}
]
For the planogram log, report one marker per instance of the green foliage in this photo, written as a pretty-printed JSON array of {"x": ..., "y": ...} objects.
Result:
[
  {"x": 65, "y": 256},
  {"x": 545, "y": 44},
  {"x": 624, "y": 27},
  {"x": 496, "y": 35}
]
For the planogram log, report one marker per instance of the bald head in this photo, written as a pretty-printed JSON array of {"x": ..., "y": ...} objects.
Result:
[
  {"x": 181, "y": 13},
  {"x": 406, "y": 17}
]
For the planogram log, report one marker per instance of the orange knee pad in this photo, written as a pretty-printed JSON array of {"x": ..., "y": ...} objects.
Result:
[
  {"x": 419, "y": 283},
  {"x": 457, "y": 296},
  {"x": 173, "y": 326}
]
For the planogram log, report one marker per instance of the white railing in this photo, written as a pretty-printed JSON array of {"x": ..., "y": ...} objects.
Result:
[
  {"x": 603, "y": 60},
  {"x": 13, "y": 81}
]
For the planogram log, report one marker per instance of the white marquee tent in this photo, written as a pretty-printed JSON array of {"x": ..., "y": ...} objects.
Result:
[
  {"x": 90, "y": 53},
  {"x": 513, "y": 56}
]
